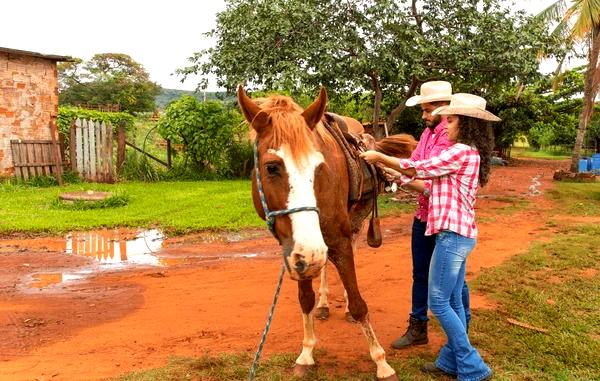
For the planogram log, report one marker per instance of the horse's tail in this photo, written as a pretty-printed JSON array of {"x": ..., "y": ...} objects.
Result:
[{"x": 399, "y": 145}]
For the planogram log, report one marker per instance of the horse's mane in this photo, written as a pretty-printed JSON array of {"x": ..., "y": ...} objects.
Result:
[{"x": 289, "y": 126}]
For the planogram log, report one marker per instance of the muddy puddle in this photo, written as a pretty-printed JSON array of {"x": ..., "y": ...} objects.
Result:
[{"x": 120, "y": 249}]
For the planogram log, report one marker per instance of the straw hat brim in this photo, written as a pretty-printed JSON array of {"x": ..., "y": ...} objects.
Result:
[
  {"x": 466, "y": 111},
  {"x": 418, "y": 99}
]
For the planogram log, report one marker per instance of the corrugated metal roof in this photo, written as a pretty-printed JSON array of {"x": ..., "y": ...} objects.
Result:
[{"x": 51, "y": 57}]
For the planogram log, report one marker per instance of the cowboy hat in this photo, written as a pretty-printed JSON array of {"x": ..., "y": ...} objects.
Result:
[
  {"x": 433, "y": 91},
  {"x": 467, "y": 105}
]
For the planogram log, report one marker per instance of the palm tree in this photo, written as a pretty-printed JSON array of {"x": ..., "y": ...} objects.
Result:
[{"x": 579, "y": 22}]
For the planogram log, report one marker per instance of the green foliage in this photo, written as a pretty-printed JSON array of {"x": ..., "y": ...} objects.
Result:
[
  {"x": 139, "y": 167},
  {"x": 108, "y": 78},
  {"x": 371, "y": 47},
  {"x": 66, "y": 115},
  {"x": 209, "y": 133}
]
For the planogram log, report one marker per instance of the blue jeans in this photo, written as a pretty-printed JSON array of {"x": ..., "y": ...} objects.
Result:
[
  {"x": 422, "y": 249},
  {"x": 447, "y": 273}
]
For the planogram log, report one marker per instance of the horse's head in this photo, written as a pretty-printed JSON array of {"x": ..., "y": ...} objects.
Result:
[{"x": 288, "y": 157}]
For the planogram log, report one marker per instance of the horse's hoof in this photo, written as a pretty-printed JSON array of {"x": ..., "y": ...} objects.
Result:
[
  {"x": 392, "y": 377},
  {"x": 349, "y": 318},
  {"x": 303, "y": 371},
  {"x": 322, "y": 313}
]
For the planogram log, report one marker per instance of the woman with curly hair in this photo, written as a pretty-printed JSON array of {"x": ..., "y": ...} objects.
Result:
[{"x": 455, "y": 176}]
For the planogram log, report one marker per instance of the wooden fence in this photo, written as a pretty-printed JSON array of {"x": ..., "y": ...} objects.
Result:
[
  {"x": 33, "y": 158},
  {"x": 91, "y": 147}
]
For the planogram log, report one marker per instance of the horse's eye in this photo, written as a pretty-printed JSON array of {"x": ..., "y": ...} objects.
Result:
[{"x": 272, "y": 169}]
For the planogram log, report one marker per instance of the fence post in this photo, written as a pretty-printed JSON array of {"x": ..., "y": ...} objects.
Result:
[
  {"x": 56, "y": 151},
  {"x": 169, "y": 163},
  {"x": 120, "y": 146}
]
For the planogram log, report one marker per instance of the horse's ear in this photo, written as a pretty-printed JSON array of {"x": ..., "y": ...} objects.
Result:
[
  {"x": 315, "y": 111},
  {"x": 251, "y": 111},
  {"x": 249, "y": 108}
]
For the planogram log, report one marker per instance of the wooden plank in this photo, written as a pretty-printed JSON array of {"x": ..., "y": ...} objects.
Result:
[
  {"x": 56, "y": 151},
  {"x": 23, "y": 159},
  {"x": 14, "y": 147},
  {"x": 93, "y": 127},
  {"x": 73, "y": 146},
  {"x": 109, "y": 153},
  {"x": 103, "y": 160},
  {"x": 86, "y": 149},
  {"x": 79, "y": 149},
  {"x": 103, "y": 149}
]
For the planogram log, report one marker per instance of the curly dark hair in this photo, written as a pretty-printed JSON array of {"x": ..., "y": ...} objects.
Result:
[{"x": 478, "y": 133}]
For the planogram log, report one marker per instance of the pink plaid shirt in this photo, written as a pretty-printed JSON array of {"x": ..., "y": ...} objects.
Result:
[
  {"x": 431, "y": 143},
  {"x": 454, "y": 178}
]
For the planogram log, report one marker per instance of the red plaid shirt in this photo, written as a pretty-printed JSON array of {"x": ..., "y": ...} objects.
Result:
[
  {"x": 454, "y": 178},
  {"x": 431, "y": 143}
]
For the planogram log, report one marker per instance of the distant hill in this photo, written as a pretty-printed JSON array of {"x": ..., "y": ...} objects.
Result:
[{"x": 166, "y": 96}]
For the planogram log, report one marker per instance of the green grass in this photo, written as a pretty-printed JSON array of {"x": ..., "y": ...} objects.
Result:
[
  {"x": 176, "y": 207},
  {"x": 579, "y": 199},
  {"x": 545, "y": 288},
  {"x": 541, "y": 154}
]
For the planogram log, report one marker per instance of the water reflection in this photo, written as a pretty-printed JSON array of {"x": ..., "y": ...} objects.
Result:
[
  {"x": 115, "y": 248},
  {"x": 50, "y": 279}
]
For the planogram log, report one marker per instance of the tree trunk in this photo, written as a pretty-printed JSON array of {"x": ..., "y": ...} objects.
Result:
[
  {"x": 590, "y": 90},
  {"x": 378, "y": 132},
  {"x": 393, "y": 117}
]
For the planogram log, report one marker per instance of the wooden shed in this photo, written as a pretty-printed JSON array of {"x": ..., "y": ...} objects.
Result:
[{"x": 28, "y": 106}]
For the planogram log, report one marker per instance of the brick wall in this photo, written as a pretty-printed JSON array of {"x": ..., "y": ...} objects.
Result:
[{"x": 28, "y": 101}]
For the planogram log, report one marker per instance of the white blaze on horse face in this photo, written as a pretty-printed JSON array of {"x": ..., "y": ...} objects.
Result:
[{"x": 309, "y": 245}]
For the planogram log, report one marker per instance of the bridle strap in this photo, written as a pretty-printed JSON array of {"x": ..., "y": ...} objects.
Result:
[{"x": 271, "y": 214}]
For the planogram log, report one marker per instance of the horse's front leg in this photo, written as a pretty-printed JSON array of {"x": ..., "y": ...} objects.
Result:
[
  {"x": 344, "y": 263},
  {"x": 305, "y": 363},
  {"x": 322, "y": 311}
]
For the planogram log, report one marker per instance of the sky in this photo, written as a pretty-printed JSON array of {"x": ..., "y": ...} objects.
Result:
[{"x": 160, "y": 35}]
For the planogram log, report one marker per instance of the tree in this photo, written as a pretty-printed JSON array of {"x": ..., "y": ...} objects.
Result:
[
  {"x": 210, "y": 132},
  {"x": 381, "y": 46},
  {"x": 107, "y": 78},
  {"x": 580, "y": 22}
]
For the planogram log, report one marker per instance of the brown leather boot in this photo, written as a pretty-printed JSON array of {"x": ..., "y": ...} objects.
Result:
[{"x": 416, "y": 334}]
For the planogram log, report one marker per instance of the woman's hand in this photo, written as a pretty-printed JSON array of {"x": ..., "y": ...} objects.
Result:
[{"x": 371, "y": 157}]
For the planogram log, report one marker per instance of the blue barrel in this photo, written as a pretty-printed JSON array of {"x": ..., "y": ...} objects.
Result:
[
  {"x": 584, "y": 165},
  {"x": 595, "y": 161}
]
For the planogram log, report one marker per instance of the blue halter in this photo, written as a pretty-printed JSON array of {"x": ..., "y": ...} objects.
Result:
[{"x": 271, "y": 214}]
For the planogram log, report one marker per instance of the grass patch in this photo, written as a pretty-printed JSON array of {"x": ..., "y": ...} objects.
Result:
[
  {"x": 517, "y": 152},
  {"x": 548, "y": 288},
  {"x": 176, "y": 207},
  {"x": 580, "y": 199}
]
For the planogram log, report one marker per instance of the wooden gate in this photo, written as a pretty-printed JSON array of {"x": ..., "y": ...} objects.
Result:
[
  {"x": 33, "y": 158},
  {"x": 91, "y": 147}
]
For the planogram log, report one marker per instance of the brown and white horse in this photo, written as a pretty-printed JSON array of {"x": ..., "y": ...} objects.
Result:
[{"x": 303, "y": 173}]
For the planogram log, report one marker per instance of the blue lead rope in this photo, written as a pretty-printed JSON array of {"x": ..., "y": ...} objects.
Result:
[{"x": 267, "y": 326}]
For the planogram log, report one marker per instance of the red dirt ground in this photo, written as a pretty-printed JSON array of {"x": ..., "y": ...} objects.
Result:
[{"x": 118, "y": 321}]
